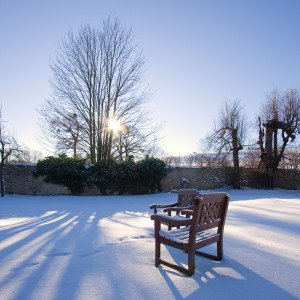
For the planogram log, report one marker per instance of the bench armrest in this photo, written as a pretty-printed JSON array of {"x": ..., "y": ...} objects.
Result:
[
  {"x": 171, "y": 221},
  {"x": 187, "y": 212},
  {"x": 180, "y": 209},
  {"x": 156, "y": 206},
  {"x": 176, "y": 209}
]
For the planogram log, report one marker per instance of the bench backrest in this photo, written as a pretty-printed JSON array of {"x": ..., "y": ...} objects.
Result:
[
  {"x": 187, "y": 197},
  {"x": 211, "y": 212}
]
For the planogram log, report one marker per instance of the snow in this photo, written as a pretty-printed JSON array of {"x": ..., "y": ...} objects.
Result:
[{"x": 67, "y": 247}]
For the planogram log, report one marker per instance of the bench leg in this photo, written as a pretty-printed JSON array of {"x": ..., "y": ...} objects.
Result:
[
  {"x": 157, "y": 227},
  {"x": 191, "y": 262},
  {"x": 220, "y": 250},
  {"x": 157, "y": 252}
]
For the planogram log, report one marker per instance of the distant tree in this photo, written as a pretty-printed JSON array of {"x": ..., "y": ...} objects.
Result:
[
  {"x": 200, "y": 160},
  {"x": 167, "y": 159},
  {"x": 172, "y": 160},
  {"x": 251, "y": 159},
  {"x": 97, "y": 78},
  {"x": 26, "y": 156},
  {"x": 229, "y": 135},
  {"x": 176, "y": 160},
  {"x": 280, "y": 115},
  {"x": 291, "y": 159},
  {"x": 189, "y": 159},
  {"x": 8, "y": 146}
]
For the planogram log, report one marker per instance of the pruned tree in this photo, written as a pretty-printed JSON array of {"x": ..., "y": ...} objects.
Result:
[
  {"x": 229, "y": 135},
  {"x": 97, "y": 77},
  {"x": 8, "y": 146},
  {"x": 278, "y": 127}
]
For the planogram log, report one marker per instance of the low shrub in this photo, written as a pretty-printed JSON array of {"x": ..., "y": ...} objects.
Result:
[
  {"x": 104, "y": 175},
  {"x": 126, "y": 177},
  {"x": 150, "y": 173},
  {"x": 63, "y": 170}
]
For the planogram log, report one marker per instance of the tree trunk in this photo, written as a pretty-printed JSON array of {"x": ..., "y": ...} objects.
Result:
[
  {"x": 236, "y": 171},
  {"x": 2, "y": 179},
  {"x": 236, "y": 163},
  {"x": 268, "y": 160}
]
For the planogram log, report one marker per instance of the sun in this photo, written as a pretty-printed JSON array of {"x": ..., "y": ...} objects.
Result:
[{"x": 114, "y": 125}]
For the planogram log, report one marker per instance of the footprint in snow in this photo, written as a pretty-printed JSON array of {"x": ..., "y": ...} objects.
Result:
[
  {"x": 24, "y": 266},
  {"x": 58, "y": 254},
  {"x": 90, "y": 253}
]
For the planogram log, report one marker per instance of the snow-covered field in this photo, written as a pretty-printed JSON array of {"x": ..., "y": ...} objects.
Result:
[{"x": 68, "y": 247}]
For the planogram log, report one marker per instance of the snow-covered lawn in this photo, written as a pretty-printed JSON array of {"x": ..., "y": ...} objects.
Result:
[{"x": 68, "y": 247}]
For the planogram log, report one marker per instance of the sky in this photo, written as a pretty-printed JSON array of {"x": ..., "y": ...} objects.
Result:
[{"x": 199, "y": 55}]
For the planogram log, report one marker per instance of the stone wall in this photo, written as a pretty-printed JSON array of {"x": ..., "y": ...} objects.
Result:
[
  {"x": 19, "y": 180},
  {"x": 214, "y": 178},
  {"x": 198, "y": 178}
]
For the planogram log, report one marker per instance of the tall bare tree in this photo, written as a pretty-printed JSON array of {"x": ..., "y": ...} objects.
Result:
[
  {"x": 229, "y": 135},
  {"x": 280, "y": 115},
  {"x": 8, "y": 146},
  {"x": 97, "y": 76}
]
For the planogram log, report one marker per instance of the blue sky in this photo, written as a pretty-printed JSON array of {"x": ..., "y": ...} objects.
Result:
[{"x": 199, "y": 54}]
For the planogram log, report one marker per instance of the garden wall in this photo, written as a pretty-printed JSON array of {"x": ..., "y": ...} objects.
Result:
[
  {"x": 19, "y": 180},
  {"x": 214, "y": 178}
]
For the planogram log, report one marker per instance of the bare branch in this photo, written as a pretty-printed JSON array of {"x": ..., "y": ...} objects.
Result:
[
  {"x": 97, "y": 76},
  {"x": 229, "y": 135}
]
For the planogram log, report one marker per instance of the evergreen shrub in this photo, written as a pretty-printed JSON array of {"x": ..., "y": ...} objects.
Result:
[
  {"x": 63, "y": 170},
  {"x": 150, "y": 172},
  {"x": 104, "y": 175},
  {"x": 110, "y": 176}
]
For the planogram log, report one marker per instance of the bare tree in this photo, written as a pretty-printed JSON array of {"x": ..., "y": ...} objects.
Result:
[
  {"x": 281, "y": 115},
  {"x": 97, "y": 76},
  {"x": 63, "y": 127},
  {"x": 189, "y": 159},
  {"x": 251, "y": 159},
  {"x": 8, "y": 146},
  {"x": 229, "y": 135},
  {"x": 172, "y": 160},
  {"x": 139, "y": 139},
  {"x": 200, "y": 160},
  {"x": 26, "y": 156},
  {"x": 291, "y": 159}
]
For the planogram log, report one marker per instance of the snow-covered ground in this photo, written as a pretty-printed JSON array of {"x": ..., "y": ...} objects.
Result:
[{"x": 68, "y": 247}]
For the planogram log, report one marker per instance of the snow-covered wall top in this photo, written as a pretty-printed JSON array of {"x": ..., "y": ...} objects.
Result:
[{"x": 19, "y": 180}]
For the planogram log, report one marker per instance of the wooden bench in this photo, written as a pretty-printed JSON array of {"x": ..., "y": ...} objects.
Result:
[
  {"x": 205, "y": 227},
  {"x": 186, "y": 198}
]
